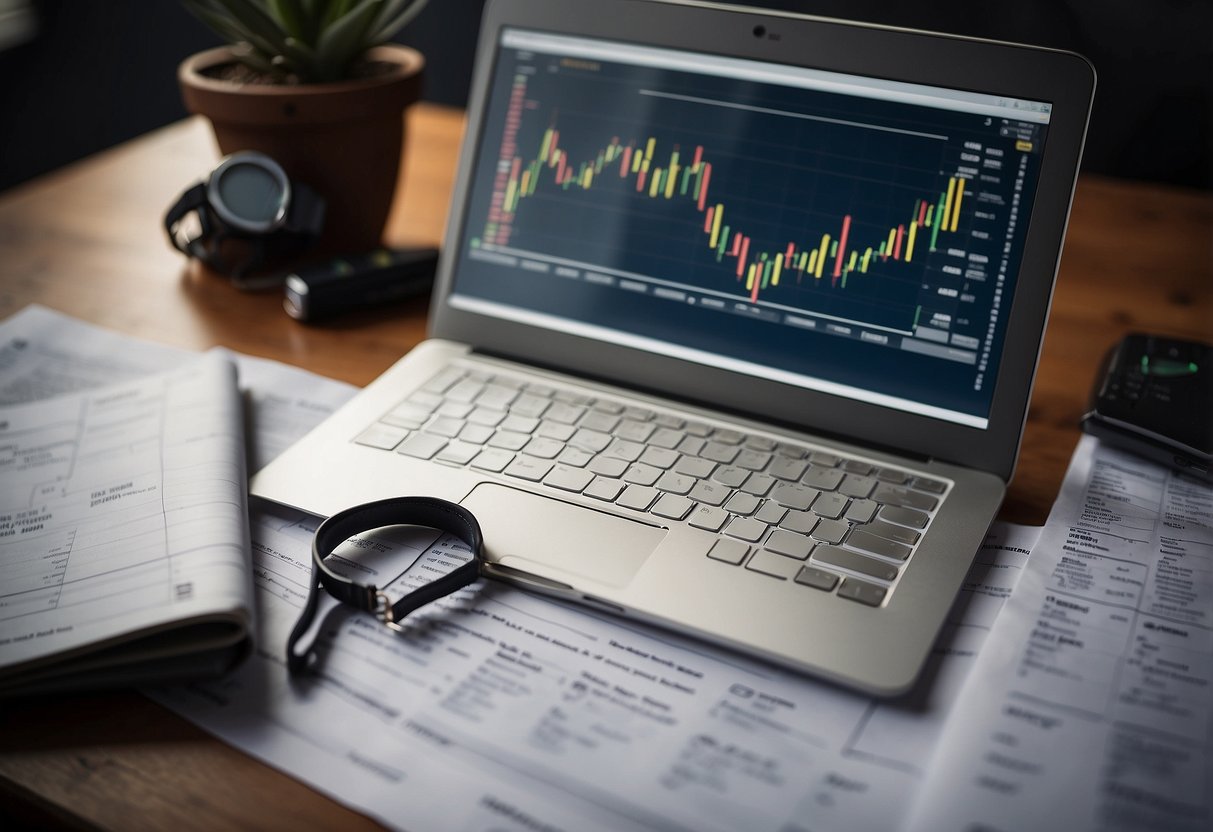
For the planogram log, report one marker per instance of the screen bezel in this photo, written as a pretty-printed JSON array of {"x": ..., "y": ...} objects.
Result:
[{"x": 1064, "y": 79}]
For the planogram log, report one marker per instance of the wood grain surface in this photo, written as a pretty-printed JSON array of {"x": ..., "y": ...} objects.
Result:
[{"x": 88, "y": 241}]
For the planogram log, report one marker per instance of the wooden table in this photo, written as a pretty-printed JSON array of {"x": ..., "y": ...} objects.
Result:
[{"x": 87, "y": 240}]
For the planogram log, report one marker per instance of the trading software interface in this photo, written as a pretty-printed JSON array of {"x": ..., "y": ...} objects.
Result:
[{"x": 852, "y": 235}]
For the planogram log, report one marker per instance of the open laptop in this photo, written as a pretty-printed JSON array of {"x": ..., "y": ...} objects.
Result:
[{"x": 736, "y": 321}]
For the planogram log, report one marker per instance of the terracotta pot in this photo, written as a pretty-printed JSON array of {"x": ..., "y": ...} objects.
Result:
[{"x": 344, "y": 139}]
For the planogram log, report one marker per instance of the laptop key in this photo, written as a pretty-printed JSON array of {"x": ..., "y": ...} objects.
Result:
[
  {"x": 667, "y": 438},
  {"x": 727, "y": 436},
  {"x": 752, "y": 460},
  {"x": 794, "y": 496},
  {"x": 758, "y": 484},
  {"x": 458, "y": 453},
  {"x": 742, "y": 503},
  {"x": 675, "y": 483},
  {"x": 856, "y": 485},
  {"x": 564, "y": 413},
  {"x": 509, "y": 440},
  {"x": 520, "y": 424},
  {"x": 529, "y": 405},
  {"x": 891, "y": 531},
  {"x": 623, "y": 449},
  {"x": 816, "y": 578},
  {"x": 824, "y": 460},
  {"x": 668, "y": 420},
  {"x": 635, "y": 431},
  {"x": 608, "y": 466},
  {"x": 789, "y": 544},
  {"x": 384, "y": 437},
  {"x": 865, "y": 541},
  {"x": 830, "y": 531},
  {"x": 710, "y": 518},
  {"x": 641, "y": 474},
  {"x": 694, "y": 467},
  {"x": 486, "y": 416},
  {"x": 659, "y": 457},
  {"x": 730, "y": 475},
  {"x": 443, "y": 381},
  {"x": 528, "y": 468},
  {"x": 638, "y": 497},
  {"x": 861, "y": 511},
  {"x": 575, "y": 456},
  {"x": 465, "y": 391},
  {"x": 599, "y": 421},
  {"x": 604, "y": 488},
  {"x": 863, "y": 592},
  {"x": 777, "y": 566},
  {"x": 746, "y": 528},
  {"x": 555, "y": 430},
  {"x": 904, "y": 497},
  {"x": 672, "y": 506},
  {"x": 421, "y": 445},
  {"x": 830, "y": 505},
  {"x": 479, "y": 434},
  {"x": 854, "y": 466},
  {"x": 712, "y": 493},
  {"x": 493, "y": 459},
  {"x": 729, "y": 551},
  {"x": 719, "y": 452},
  {"x": 825, "y": 479},
  {"x": 770, "y": 513},
  {"x": 854, "y": 562},
  {"x": 568, "y": 479},
  {"x": 928, "y": 485},
  {"x": 799, "y": 521},
  {"x": 541, "y": 446},
  {"x": 591, "y": 440},
  {"x": 445, "y": 426},
  {"x": 787, "y": 469}
]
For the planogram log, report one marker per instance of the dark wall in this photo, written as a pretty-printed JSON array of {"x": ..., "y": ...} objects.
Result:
[{"x": 99, "y": 73}]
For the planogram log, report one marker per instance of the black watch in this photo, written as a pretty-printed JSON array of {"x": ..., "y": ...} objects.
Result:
[{"x": 250, "y": 215}]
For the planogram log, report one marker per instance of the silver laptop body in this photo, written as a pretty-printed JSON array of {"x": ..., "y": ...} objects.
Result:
[{"x": 736, "y": 321}]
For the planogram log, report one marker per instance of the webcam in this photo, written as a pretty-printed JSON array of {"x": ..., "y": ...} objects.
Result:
[{"x": 760, "y": 31}]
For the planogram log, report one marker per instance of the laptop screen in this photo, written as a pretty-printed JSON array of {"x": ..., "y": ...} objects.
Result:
[{"x": 852, "y": 235}]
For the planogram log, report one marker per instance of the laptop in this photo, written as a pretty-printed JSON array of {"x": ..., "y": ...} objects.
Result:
[{"x": 735, "y": 324}]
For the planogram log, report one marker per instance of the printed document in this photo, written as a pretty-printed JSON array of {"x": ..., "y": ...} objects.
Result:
[
  {"x": 1091, "y": 705},
  {"x": 123, "y": 532},
  {"x": 525, "y": 713}
]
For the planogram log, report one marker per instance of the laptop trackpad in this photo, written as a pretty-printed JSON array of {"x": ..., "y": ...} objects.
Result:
[{"x": 539, "y": 534}]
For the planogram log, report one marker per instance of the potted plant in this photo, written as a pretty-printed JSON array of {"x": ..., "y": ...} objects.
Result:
[{"x": 313, "y": 85}]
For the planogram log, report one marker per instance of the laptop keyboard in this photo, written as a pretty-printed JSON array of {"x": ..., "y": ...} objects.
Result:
[{"x": 782, "y": 510}]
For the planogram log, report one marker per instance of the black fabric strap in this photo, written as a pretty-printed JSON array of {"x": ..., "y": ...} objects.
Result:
[{"x": 430, "y": 512}]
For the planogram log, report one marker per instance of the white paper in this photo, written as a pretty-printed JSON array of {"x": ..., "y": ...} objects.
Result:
[
  {"x": 45, "y": 353},
  {"x": 551, "y": 709},
  {"x": 1091, "y": 706},
  {"x": 121, "y": 510}
]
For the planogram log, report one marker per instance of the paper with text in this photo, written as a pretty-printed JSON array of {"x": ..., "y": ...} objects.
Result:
[
  {"x": 1091, "y": 705},
  {"x": 554, "y": 712},
  {"x": 122, "y": 511}
]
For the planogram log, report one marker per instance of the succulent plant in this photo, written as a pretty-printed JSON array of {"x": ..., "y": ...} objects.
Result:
[{"x": 304, "y": 41}]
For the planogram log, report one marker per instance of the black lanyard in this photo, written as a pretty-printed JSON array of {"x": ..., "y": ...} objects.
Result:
[{"x": 430, "y": 512}]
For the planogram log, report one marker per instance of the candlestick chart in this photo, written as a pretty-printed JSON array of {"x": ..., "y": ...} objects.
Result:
[{"x": 708, "y": 225}]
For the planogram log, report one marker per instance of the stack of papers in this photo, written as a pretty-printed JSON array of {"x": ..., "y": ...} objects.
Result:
[{"x": 1082, "y": 702}]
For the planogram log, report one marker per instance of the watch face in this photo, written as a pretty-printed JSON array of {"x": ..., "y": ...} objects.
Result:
[{"x": 250, "y": 192}]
